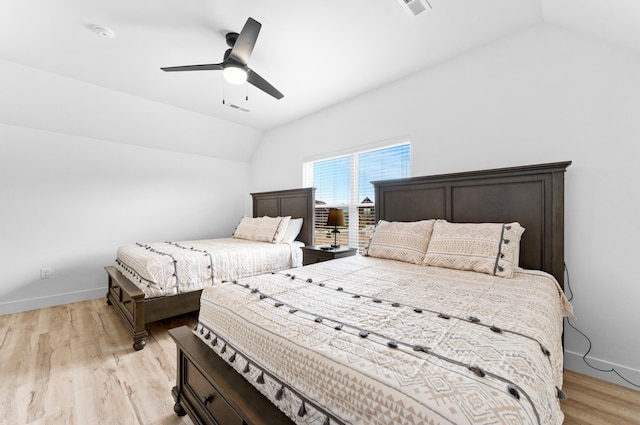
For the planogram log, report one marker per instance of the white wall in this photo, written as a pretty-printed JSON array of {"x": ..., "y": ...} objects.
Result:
[
  {"x": 542, "y": 95},
  {"x": 84, "y": 169},
  {"x": 68, "y": 202}
]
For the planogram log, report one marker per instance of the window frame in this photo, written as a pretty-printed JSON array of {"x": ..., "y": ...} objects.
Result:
[{"x": 354, "y": 204}]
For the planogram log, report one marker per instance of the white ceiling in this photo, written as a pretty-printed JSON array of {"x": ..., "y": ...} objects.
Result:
[{"x": 316, "y": 53}]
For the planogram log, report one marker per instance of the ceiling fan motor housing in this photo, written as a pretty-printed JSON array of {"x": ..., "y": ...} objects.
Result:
[{"x": 231, "y": 38}]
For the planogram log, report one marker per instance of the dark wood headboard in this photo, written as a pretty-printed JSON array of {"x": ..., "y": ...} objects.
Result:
[
  {"x": 298, "y": 203},
  {"x": 532, "y": 195}
]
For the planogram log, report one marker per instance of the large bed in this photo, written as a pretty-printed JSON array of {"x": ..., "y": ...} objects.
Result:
[
  {"x": 411, "y": 337},
  {"x": 154, "y": 281}
]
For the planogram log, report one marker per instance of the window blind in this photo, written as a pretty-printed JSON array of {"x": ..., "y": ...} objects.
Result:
[{"x": 345, "y": 182}]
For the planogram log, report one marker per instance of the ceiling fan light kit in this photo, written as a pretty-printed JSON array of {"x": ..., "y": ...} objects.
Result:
[
  {"x": 234, "y": 64},
  {"x": 234, "y": 74}
]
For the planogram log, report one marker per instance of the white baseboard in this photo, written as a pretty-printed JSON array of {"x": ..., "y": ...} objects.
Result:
[
  {"x": 573, "y": 361},
  {"x": 51, "y": 301}
]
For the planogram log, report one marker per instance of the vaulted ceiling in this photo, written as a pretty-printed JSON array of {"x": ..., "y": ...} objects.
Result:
[{"x": 316, "y": 53}]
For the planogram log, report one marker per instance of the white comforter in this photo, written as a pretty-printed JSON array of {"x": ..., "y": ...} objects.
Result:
[
  {"x": 369, "y": 341},
  {"x": 169, "y": 268}
]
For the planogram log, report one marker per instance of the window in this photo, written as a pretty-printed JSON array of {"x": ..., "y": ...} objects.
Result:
[{"x": 345, "y": 182}]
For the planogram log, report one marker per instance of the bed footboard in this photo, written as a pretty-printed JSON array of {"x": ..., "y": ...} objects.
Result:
[
  {"x": 137, "y": 311},
  {"x": 129, "y": 302},
  {"x": 212, "y": 392}
]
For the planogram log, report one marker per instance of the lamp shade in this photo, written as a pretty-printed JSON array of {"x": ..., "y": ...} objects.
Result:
[{"x": 336, "y": 217}]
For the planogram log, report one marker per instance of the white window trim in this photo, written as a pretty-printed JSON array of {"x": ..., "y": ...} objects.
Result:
[
  {"x": 385, "y": 143},
  {"x": 307, "y": 162}
]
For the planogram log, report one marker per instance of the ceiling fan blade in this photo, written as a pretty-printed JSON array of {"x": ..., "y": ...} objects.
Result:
[
  {"x": 243, "y": 47},
  {"x": 262, "y": 84},
  {"x": 208, "y": 67}
]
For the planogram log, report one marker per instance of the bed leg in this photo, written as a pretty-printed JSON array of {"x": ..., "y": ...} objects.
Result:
[
  {"x": 177, "y": 407},
  {"x": 139, "y": 343}
]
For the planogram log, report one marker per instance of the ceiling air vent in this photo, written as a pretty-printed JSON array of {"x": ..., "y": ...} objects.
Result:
[{"x": 415, "y": 7}]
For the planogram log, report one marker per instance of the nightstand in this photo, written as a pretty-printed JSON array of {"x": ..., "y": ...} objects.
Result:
[{"x": 314, "y": 254}]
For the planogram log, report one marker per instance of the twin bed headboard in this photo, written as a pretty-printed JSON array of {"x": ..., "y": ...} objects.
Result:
[
  {"x": 297, "y": 203},
  {"x": 532, "y": 195}
]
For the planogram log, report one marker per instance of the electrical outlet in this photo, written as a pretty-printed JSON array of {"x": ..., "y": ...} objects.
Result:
[{"x": 45, "y": 273}]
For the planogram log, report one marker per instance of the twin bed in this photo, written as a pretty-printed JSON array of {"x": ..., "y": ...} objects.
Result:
[
  {"x": 442, "y": 322},
  {"x": 154, "y": 281}
]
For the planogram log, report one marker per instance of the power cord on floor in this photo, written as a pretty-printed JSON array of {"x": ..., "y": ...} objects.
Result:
[{"x": 584, "y": 357}]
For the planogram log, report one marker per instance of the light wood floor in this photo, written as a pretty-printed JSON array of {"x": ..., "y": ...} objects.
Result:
[
  {"x": 74, "y": 364},
  {"x": 595, "y": 402}
]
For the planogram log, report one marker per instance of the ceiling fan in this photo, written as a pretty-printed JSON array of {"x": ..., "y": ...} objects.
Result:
[{"x": 234, "y": 64}]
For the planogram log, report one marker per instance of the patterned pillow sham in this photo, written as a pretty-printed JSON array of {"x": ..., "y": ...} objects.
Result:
[
  {"x": 262, "y": 229},
  {"x": 402, "y": 241},
  {"x": 491, "y": 248}
]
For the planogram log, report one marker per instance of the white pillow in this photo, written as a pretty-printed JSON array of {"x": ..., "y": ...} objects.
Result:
[{"x": 292, "y": 230}]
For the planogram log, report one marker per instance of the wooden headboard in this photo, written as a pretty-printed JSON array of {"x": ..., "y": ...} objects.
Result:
[
  {"x": 297, "y": 203},
  {"x": 532, "y": 195}
]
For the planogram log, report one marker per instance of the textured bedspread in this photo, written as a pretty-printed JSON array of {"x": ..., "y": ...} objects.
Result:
[
  {"x": 370, "y": 341},
  {"x": 169, "y": 268}
]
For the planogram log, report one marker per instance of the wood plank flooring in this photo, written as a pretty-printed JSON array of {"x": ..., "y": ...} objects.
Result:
[
  {"x": 595, "y": 402},
  {"x": 74, "y": 364}
]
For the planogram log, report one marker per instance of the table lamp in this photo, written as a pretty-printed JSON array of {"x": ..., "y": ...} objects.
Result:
[{"x": 335, "y": 219}]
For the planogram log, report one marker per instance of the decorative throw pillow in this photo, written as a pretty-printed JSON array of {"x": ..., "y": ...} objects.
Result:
[
  {"x": 491, "y": 248},
  {"x": 402, "y": 241},
  {"x": 262, "y": 229},
  {"x": 281, "y": 229},
  {"x": 247, "y": 228}
]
